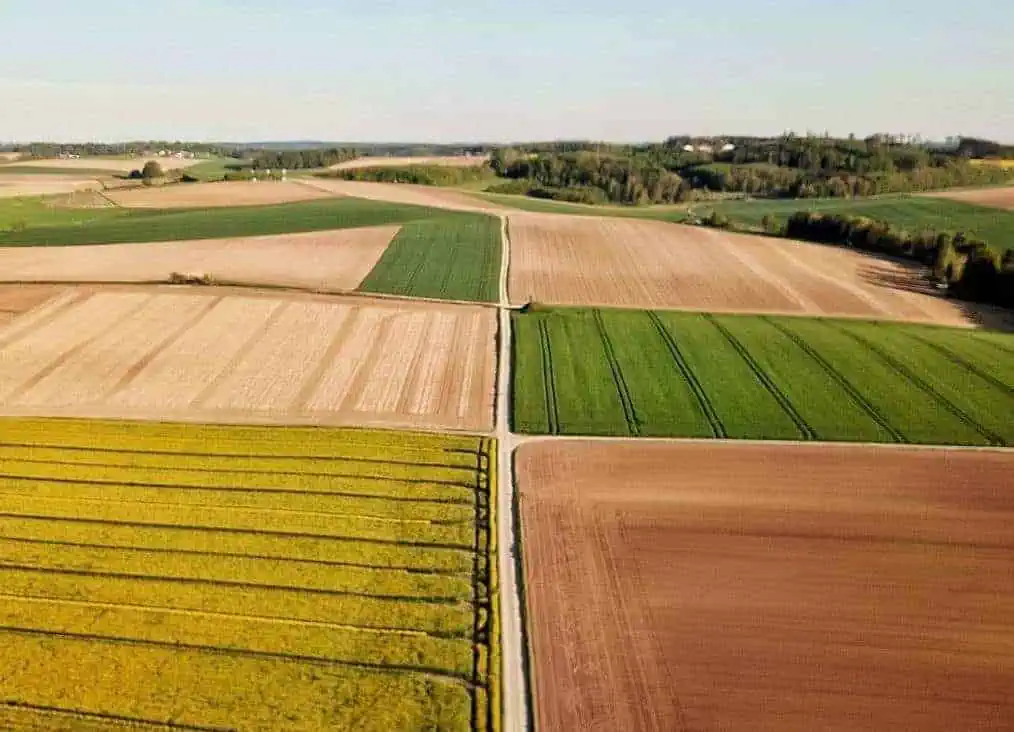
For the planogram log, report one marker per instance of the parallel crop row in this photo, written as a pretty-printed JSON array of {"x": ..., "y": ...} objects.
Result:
[
  {"x": 364, "y": 559},
  {"x": 752, "y": 377}
]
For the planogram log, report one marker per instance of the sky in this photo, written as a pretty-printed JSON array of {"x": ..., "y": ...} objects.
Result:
[{"x": 479, "y": 70}]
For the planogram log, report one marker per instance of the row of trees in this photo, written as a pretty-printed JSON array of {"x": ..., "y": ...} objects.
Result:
[
  {"x": 769, "y": 181},
  {"x": 301, "y": 159},
  {"x": 426, "y": 175},
  {"x": 590, "y": 177},
  {"x": 970, "y": 268}
]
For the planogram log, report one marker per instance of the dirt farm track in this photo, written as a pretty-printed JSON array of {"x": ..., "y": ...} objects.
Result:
[
  {"x": 754, "y": 587},
  {"x": 160, "y": 353}
]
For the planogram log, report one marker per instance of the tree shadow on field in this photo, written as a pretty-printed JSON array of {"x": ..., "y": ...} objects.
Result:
[{"x": 896, "y": 274}]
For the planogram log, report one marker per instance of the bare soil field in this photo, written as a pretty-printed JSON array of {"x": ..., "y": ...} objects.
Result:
[
  {"x": 577, "y": 260},
  {"x": 114, "y": 165},
  {"x": 331, "y": 260},
  {"x": 206, "y": 195},
  {"x": 194, "y": 355},
  {"x": 747, "y": 587},
  {"x": 9, "y": 157},
  {"x": 451, "y": 161},
  {"x": 404, "y": 193},
  {"x": 16, "y": 185},
  {"x": 995, "y": 197}
]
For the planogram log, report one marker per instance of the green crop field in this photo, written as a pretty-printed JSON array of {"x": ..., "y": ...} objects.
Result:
[
  {"x": 912, "y": 213},
  {"x": 206, "y": 577},
  {"x": 19, "y": 215},
  {"x": 452, "y": 257},
  {"x": 147, "y": 225},
  {"x": 614, "y": 372}
]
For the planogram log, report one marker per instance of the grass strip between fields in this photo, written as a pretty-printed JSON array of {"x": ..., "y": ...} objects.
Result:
[
  {"x": 671, "y": 374},
  {"x": 208, "y": 559}
]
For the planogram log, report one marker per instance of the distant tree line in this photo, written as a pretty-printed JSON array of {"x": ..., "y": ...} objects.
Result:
[
  {"x": 588, "y": 177},
  {"x": 971, "y": 269},
  {"x": 426, "y": 175},
  {"x": 788, "y": 166},
  {"x": 301, "y": 159}
]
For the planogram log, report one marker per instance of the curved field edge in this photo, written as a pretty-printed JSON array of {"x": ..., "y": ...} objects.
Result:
[
  {"x": 301, "y": 598},
  {"x": 671, "y": 374}
]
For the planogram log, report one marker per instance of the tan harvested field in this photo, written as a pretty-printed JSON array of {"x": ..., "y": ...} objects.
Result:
[
  {"x": 204, "y": 195},
  {"x": 18, "y": 299},
  {"x": 114, "y": 165},
  {"x": 758, "y": 587},
  {"x": 995, "y": 197},
  {"x": 578, "y": 260},
  {"x": 404, "y": 193},
  {"x": 451, "y": 161},
  {"x": 17, "y": 185},
  {"x": 193, "y": 355},
  {"x": 330, "y": 260}
]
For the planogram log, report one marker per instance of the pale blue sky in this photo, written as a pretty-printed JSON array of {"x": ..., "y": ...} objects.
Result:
[{"x": 508, "y": 70}]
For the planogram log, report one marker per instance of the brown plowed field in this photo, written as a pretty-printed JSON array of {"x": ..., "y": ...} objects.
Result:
[
  {"x": 995, "y": 197},
  {"x": 577, "y": 260},
  {"x": 746, "y": 587},
  {"x": 337, "y": 260},
  {"x": 451, "y": 161},
  {"x": 207, "y": 195},
  {"x": 405, "y": 193},
  {"x": 192, "y": 355}
]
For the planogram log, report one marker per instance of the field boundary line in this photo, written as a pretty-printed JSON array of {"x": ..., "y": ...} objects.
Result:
[
  {"x": 237, "y": 652},
  {"x": 704, "y": 402},
  {"x": 526, "y": 439},
  {"x": 808, "y": 433},
  {"x": 923, "y": 385},
  {"x": 266, "y": 619},
  {"x": 238, "y": 555},
  {"x": 626, "y": 401},
  {"x": 114, "y": 718},
  {"x": 840, "y": 379},
  {"x": 235, "y": 584},
  {"x": 957, "y": 359}
]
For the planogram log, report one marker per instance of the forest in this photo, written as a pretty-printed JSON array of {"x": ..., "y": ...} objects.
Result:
[{"x": 788, "y": 166}]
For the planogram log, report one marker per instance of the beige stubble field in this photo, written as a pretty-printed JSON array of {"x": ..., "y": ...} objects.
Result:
[
  {"x": 220, "y": 193},
  {"x": 431, "y": 196},
  {"x": 450, "y": 161},
  {"x": 163, "y": 353},
  {"x": 332, "y": 260},
  {"x": 691, "y": 586},
  {"x": 994, "y": 197},
  {"x": 575, "y": 260}
]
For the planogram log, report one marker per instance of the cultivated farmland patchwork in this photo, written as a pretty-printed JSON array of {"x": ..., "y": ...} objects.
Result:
[{"x": 245, "y": 578}]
